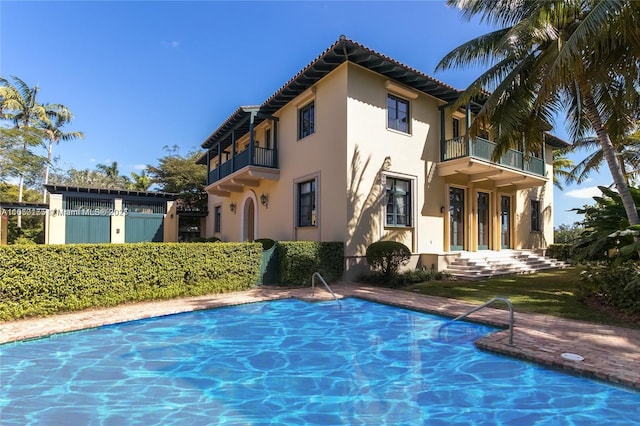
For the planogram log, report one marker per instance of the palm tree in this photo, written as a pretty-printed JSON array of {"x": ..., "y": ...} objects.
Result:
[
  {"x": 141, "y": 182},
  {"x": 562, "y": 167},
  {"x": 54, "y": 133},
  {"x": 627, "y": 150},
  {"x": 112, "y": 175},
  {"x": 18, "y": 104},
  {"x": 582, "y": 56}
]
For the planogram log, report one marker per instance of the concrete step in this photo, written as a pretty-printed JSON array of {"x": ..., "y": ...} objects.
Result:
[{"x": 485, "y": 264}]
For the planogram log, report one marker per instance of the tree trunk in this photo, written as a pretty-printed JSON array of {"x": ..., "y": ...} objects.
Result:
[
  {"x": 612, "y": 160},
  {"x": 46, "y": 172}
]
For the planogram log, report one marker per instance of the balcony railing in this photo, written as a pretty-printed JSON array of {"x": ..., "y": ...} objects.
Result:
[
  {"x": 481, "y": 148},
  {"x": 261, "y": 157}
]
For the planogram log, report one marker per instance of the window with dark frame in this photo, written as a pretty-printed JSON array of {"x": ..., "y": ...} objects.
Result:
[
  {"x": 398, "y": 192},
  {"x": 455, "y": 128},
  {"x": 398, "y": 114},
  {"x": 267, "y": 137},
  {"x": 307, "y": 203},
  {"x": 535, "y": 216},
  {"x": 217, "y": 214},
  {"x": 306, "y": 120}
]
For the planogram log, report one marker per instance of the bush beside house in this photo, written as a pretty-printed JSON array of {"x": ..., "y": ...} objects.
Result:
[{"x": 299, "y": 260}]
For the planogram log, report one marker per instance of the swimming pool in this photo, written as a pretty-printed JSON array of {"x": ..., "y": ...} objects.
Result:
[{"x": 291, "y": 362}]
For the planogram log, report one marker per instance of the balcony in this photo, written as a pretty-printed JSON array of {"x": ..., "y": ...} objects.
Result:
[
  {"x": 242, "y": 170},
  {"x": 473, "y": 157}
]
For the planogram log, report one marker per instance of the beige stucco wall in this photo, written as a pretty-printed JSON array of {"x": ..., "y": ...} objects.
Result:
[
  {"x": 525, "y": 238},
  {"x": 171, "y": 223},
  {"x": 373, "y": 150},
  {"x": 349, "y": 153},
  {"x": 320, "y": 155},
  {"x": 55, "y": 221},
  {"x": 118, "y": 223}
]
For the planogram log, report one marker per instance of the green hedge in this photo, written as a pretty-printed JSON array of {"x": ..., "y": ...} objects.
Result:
[
  {"x": 44, "y": 280},
  {"x": 564, "y": 252},
  {"x": 300, "y": 259}
]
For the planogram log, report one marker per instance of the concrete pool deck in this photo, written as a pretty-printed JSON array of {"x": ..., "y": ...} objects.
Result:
[{"x": 610, "y": 353}]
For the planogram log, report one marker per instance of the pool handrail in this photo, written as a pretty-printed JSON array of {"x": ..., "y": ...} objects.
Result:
[
  {"x": 484, "y": 305},
  {"x": 313, "y": 285}
]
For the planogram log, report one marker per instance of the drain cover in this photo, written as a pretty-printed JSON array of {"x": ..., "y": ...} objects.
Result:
[{"x": 572, "y": 357}]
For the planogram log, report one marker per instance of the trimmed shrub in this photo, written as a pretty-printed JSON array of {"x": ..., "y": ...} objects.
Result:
[
  {"x": 564, "y": 252},
  {"x": 387, "y": 257},
  {"x": 300, "y": 259},
  {"x": 44, "y": 280},
  {"x": 406, "y": 278},
  {"x": 204, "y": 240}
]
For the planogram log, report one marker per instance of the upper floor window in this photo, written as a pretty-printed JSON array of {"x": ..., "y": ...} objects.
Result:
[
  {"x": 398, "y": 193},
  {"x": 397, "y": 114},
  {"x": 536, "y": 224},
  {"x": 307, "y": 203},
  {"x": 267, "y": 138},
  {"x": 455, "y": 129},
  {"x": 306, "y": 120}
]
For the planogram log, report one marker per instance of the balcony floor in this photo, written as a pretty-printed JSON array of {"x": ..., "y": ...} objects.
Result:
[
  {"x": 249, "y": 176},
  {"x": 478, "y": 170}
]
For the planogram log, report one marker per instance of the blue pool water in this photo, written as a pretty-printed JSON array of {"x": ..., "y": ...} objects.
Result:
[{"x": 291, "y": 362}]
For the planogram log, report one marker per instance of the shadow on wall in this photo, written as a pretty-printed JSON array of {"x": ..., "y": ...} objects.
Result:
[
  {"x": 365, "y": 208},
  {"x": 534, "y": 240}
]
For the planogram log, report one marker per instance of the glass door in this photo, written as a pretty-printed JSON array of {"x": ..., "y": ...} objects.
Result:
[
  {"x": 483, "y": 221},
  {"x": 505, "y": 222},
  {"x": 456, "y": 217}
]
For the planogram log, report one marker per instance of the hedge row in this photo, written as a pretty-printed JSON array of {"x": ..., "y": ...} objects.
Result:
[
  {"x": 43, "y": 280},
  {"x": 564, "y": 252},
  {"x": 298, "y": 260}
]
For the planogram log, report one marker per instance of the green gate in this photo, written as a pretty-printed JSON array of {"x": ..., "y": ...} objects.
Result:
[
  {"x": 87, "y": 220},
  {"x": 269, "y": 267},
  {"x": 144, "y": 221}
]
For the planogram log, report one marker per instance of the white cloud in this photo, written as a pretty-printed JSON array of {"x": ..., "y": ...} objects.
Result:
[
  {"x": 588, "y": 193},
  {"x": 139, "y": 166}
]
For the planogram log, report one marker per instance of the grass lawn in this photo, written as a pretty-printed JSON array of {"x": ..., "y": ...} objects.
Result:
[{"x": 550, "y": 292}]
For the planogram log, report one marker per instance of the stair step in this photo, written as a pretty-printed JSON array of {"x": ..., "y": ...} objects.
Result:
[{"x": 478, "y": 265}]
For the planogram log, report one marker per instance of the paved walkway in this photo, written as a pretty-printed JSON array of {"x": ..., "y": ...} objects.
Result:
[{"x": 610, "y": 353}]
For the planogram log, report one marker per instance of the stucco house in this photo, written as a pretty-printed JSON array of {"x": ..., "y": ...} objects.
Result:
[{"x": 358, "y": 147}]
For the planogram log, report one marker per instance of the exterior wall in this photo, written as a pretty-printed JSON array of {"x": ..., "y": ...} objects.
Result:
[
  {"x": 170, "y": 223},
  {"x": 374, "y": 151},
  {"x": 320, "y": 155},
  {"x": 525, "y": 238},
  {"x": 117, "y": 223},
  {"x": 55, "y": 225},
  {"x": 352, "y": 148}
]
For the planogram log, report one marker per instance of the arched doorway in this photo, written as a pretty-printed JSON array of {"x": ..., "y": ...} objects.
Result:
[{"x": 249, "y": 219}]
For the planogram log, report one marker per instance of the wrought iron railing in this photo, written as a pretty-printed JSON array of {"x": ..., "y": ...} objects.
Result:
[
  {"x": 482, "y": 148},
  {"x": 263, "y": 157}
]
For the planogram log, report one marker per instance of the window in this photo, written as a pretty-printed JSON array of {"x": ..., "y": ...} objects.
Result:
[
  {"x": 307, "y": 203},
  {"x": 398, "y": 193},
  {"x": 455, "y": 128},
  {"x": 306, "y": 121},
  {"x": 397, "y": 114},
  {"x": 217, "y": 217},
  {"x": 267, "y": 138},
  {"x": 535, "y": 216}
]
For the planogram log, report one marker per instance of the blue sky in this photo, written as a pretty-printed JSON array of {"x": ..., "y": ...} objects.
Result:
[{"x": 139, "y": 75}]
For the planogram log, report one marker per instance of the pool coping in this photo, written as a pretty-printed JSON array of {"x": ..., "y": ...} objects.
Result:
[{"x": 609, "y": 353}]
